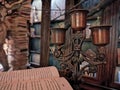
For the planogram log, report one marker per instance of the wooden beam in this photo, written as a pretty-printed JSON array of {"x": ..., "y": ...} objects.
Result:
[
  {"x": 45, "y": 32},
  {"x": 68, "y": 4}
]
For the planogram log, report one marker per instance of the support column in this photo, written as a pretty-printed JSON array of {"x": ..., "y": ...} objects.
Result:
[{"x": 45, "y": 32}]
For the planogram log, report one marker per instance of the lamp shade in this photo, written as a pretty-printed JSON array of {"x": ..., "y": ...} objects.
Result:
[
  {"x": 58, "y": 36},
  {"x": 78, "y": 19},
  {"x": 100, "y": 35}
]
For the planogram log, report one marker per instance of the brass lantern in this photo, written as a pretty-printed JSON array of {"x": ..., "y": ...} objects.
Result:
[
  {"x": 78, "y": 19},
  {"x": 58, "y": 36},
  {"x": 100, "y": 35}
]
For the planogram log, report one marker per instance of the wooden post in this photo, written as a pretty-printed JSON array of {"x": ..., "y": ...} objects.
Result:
[
  {"x": 68, "y": 4},
  {"x": 45, "y": 32}
]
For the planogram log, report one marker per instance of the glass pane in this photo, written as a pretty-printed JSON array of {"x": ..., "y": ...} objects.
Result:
[
  {"x": 36, "y": 11},
  {"x": 57, "y": 9},
  {"x": 117, "y": 75}
]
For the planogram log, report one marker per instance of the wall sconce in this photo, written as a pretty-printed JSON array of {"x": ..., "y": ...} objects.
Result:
[{"x": 100, "y": 38}]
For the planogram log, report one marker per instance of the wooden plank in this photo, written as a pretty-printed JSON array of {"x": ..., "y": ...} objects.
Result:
[{"x": 110, "y": 17}]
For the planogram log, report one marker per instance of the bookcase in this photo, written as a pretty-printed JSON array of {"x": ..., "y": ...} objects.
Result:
[{"x": 34, "y": 44}]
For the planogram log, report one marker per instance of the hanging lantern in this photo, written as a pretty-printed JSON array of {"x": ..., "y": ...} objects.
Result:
[
  {"x": 78, "y": 19},
  {"x": 58, "y": 36},
  {"x": 100, "y": 35}
]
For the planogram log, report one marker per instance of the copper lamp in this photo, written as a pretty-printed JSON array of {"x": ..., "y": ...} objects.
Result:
[
  {"x": 78, "y": 19},
  {"x": 100, "y": 35},
  {"x": 58, "y": 39},
  {"x": 58, "y": 36},
  {"x": 72, "y": 61}
]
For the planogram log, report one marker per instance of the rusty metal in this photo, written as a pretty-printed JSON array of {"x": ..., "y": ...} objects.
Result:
[{"x": 73, "y": 61}]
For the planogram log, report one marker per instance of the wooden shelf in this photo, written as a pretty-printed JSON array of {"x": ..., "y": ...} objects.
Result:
[
  {"x": 35, "y": 65},
  {"x": 35, "y": 42},
  {"x": 32, "y": 51},
  {"x": 24, "y": 50},
  {"x": 118, "y": 40},
  {"x": 35, "y": 23},
  {"x": 35, "y": 36},
  {"x": 88, "y": 40}
]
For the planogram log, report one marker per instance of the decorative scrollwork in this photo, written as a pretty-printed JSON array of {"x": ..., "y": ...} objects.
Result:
[{"x": 72, "y": 61}]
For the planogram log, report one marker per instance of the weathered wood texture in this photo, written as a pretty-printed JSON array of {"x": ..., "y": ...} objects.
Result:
[
  {"x": 111, "y": 16},
  {"x": 45, "y": 32}
]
